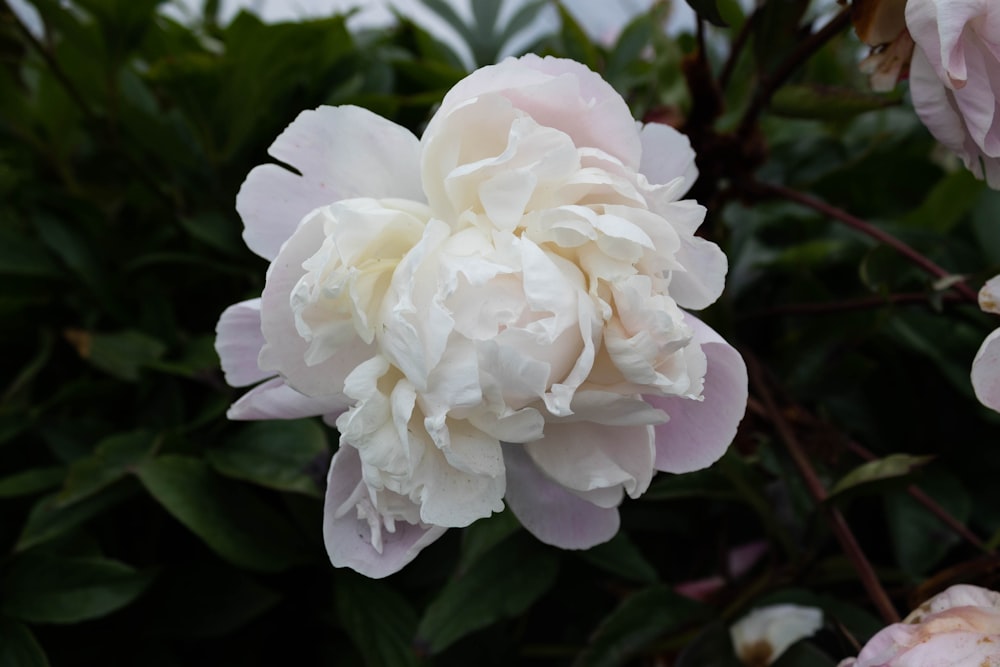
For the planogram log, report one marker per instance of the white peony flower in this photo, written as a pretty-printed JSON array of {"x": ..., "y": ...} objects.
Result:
[
  {"x": 959, "y": 627},
  {"x": 954, "y": 78},
  {"x": 761, "y": 636},
  {"x": 491, "y": 313}
]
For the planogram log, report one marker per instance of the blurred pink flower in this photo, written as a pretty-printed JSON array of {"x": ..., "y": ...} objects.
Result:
[
  {"x": 763, "y": 635},
  {"x": 986, "y": 365},
  {"x": 489, "y": 314},
  {"x": 955, "y": 78},
  {"x": 959, "y": 627}
]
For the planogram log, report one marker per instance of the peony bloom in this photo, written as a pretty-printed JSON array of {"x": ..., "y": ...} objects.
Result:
[
  {"x": 959, "y": 627},
  {"x": 490, "y": 314},
  {"x": 986, "y": 365},
  {"x": 954, "y": 78},
  {"x": 761, "y": 636}
]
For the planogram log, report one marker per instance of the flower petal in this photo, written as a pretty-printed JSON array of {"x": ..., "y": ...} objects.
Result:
[
  {"x": 238, "y": 342},
  {"x": 276, "y": 400},
  {"x": 348, "y": 537},
  {"x": 699, "y": 432},
  {"x": 986, "y": 372},
  {"x": 666, "y": 155},
  {"x": 285, "y": 350},
  {"x": 557, "y": 93},
  {"x": 341, "y": 153},
  {"x": 549, "y": 511}
]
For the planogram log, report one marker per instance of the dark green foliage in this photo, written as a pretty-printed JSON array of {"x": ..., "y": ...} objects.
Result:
[{"x": 138, "y": 526}]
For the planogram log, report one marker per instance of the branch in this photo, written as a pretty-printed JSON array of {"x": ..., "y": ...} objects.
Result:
[
  {"x": 814, "y": 485},
  {"x": 866, "y": 228},
  {"x": 863, "y": 303},
  {"x": 742, "y": 37},
  {"x": 806, "y": 48}
]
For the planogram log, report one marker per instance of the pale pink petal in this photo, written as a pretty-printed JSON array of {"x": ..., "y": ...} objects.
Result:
[
  {"x": 935, "y": 105},
  {"x": 238, "y": 342},
  {"x": 276, "y": 400},
  {"x": 557, "y": 93},
  {"x": 959, "y": 595},
  {"x": 986, "y": 372},
  {"x": 549, "y": 511},
  {"x": 584, "y": 456},
  {"x": 284, "y": 352},
  {"x": 699, "y": 432},
  {"x": 341, "y": 153},
  {"x": 666, "y": 155},
  {"x": 349, "y": 538}
]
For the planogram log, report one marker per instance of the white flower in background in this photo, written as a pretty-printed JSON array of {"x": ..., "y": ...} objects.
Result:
[
  {"x": 955, "y": 78},
  {"x": 986, "y": 365},
  {"x": 490, "y": 313},
  {"x": 959, "y": 627},
  {"x": 761, "y": 636}
]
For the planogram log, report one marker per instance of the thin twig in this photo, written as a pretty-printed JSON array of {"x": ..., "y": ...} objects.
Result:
[
  {"x": 806, "y": 48},
  {"x": 920, "y": 260},
  {"x": 814, "y": 485},
  {"x": 863, "y": 303},
  {"x": 742, "y": 37},
  {"x": 929, "y": 504}
]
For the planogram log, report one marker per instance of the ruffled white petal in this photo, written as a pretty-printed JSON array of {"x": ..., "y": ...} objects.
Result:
[
  {"x": 352, "y": 525},
  {"x": 276, "y": 400},
  {"x": 340, "y": 153}
]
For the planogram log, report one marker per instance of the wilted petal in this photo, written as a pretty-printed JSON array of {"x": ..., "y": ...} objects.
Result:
[
  {"x": 238, "y": 342},
  {"x": 341, "y": 153},
  {"x": 699, "y": 432},
  {"x": 551, "y": 513},
  {"x": 764, "y": 634},
  {"x": 348, "y": 533}
]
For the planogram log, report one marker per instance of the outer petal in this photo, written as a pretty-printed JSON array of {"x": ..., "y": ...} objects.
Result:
[
  {"x": 698, "y": 433},
  {"x": 341, "y": 153},
  {"x": 348, "y": 538},
  {"x": 986, "y": 372},
  {"x": 557, "y": 93},
  {"x": 276, "y": 400},
  {"x": 239, "y": 341},
  {"x": 666, "y": 155},
  {"x": 550, "y": 512}
]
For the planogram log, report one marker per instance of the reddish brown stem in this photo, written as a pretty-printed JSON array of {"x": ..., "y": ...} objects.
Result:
[
  {"x": 866, "y": 228},
  {"x": 849, "y": 544},
  {"x": 864, "y": 303},
  {"x": 929, "y": 504}
]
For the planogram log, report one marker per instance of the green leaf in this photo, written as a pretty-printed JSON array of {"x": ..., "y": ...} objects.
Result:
[
  {"x": 483, "y": 535},
  {"x": 227, "y": 599},
  {"x": 892, "y": 466},
  {"x": 804, "y": 654},
  {"x": 227, "y": 516},
  {"x": 708, "y": 483},
  {"x": 23, "y": 256},
  {"x": 712, "y": 647},
  {"x": 639, "y": 619},
  {"x": 18, "y": 647},
  {"x": 575, "y": 42},
  {"x": 120, "y": 354},
  {"x": 48, "y": 519},
  {"x": 113, "y": 458},
  {"x": 276, "y": 454},
  {"x": 951, "y": 200},
  {"x": 919, "y": 539},
  {"x": 39, "y": 588},
  {"x": 708, "y": 10},
  {"x": 502, "y": 584},
  {"x": 379, "y": 621},
  {"x": 215, "y": 230},
  {"x": 621, "y": 557},
  {"x": 985, "y": 216},
  {"x": 827, "y": 103},
  {"x": 26, "y": 482}
]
